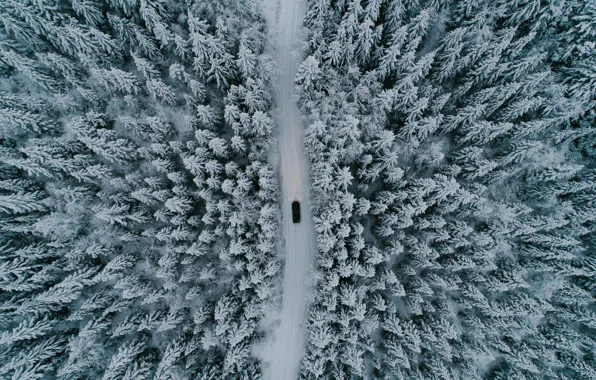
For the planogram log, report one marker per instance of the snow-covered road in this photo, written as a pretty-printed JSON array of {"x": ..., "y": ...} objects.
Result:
[{"x": 286, "y": 346}]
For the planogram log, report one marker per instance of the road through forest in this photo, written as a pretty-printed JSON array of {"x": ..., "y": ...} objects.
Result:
[{"x": 286, "y": 346}]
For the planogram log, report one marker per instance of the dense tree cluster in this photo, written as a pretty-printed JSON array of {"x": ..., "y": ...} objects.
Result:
[
  {"x": 452, "y": 148},
  {"x": 138, "y": 213}
]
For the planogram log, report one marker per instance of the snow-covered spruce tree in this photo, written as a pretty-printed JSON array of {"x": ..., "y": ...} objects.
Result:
[
  {"x": 138, "y": 213},
  {"x": 452, "y": 166}
]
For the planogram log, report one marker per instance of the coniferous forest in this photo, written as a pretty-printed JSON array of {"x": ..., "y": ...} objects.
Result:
[
  {"x": 452, "y": 152},
  {"x": 138, "y": 214},
  {"x": 452, "y": 148}
]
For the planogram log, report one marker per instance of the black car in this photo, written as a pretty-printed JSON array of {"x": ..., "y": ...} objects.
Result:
[{"x": 296, "y": 212}]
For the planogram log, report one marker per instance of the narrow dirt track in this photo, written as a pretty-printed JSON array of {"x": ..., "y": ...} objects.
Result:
[{"x": 286, "y": 347}]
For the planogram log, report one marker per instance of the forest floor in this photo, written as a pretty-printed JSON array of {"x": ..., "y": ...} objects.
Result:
[{"x": 285, "y": 347}]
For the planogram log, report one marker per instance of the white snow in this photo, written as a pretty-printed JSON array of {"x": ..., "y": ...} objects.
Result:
[{"x": 284, "y": 349}]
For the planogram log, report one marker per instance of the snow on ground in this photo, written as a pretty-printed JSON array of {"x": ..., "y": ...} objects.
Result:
[{"x": 285, "y": 347}]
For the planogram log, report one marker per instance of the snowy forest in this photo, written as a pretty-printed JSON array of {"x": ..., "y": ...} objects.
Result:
[
  {"x": 138, "y": 213},
  {"x": 452, "y": 151},
  {"x": 452, "y": 146}
]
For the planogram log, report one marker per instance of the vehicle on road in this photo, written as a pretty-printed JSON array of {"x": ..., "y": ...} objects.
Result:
[{"x": 296, "y": 212}]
